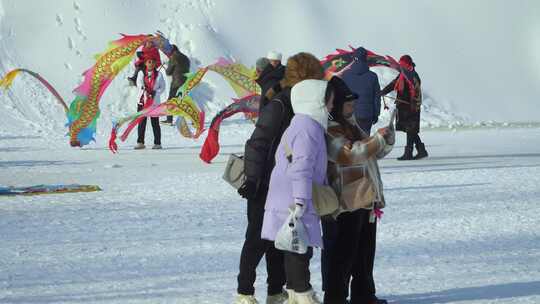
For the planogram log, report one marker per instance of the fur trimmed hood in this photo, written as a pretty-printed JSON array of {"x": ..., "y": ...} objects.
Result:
[{"x": 308, "y": 98}]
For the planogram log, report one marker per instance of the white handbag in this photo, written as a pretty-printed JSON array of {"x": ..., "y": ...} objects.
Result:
[
  {"x": 292, "y": 235},
  {"x": 234, "y": 171}
]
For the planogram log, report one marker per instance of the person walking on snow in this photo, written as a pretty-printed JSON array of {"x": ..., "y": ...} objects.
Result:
[
  {"x": 408, "y": 116},
  {"x": 349, "y": 242},
  {"x": 153, "y": 85},
  {"x": 293, "y": 177},
  {"x": 177, "y": 67},
  {"x": 365, "y": 83},
  {"x": 259, "y": 161}
]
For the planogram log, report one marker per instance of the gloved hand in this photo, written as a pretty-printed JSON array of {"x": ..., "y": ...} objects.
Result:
[
  {"x": 299, "y": 208},
  {"x": 248, "y": 190},
  {"x": 152, "y": 94}
]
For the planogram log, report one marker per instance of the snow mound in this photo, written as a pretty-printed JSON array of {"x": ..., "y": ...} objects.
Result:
[{"x": 59, "y": 43}]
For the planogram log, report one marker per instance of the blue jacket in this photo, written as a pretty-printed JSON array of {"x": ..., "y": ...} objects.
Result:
[{"x": 365, "y": 83}]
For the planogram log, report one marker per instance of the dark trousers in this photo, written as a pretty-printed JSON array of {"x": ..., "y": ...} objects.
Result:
[
  {"x": 253, "y": 250},
  {"x": 365, "y": 125},
  {"x": 172, "y": 93},
  {"x": 297, "y": 270},
  {"x": 413, "y": 139},
  {"x": 141, "y": 129},
  {"x": 349, "y": 251}
]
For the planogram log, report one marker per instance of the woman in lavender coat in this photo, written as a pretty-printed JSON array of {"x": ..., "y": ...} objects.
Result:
[{"x": 291, "y": 182}]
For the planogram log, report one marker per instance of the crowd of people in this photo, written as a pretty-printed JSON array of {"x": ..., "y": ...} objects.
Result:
[
  {"x": 316, "y": 132},
  {"x": 309, "y": 132}
]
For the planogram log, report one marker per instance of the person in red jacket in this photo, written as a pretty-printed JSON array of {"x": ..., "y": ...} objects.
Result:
[{"x": 148, "y": 51}]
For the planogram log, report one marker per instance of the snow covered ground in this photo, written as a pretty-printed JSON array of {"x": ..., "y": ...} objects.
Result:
[{"x": 462, "y": 226}]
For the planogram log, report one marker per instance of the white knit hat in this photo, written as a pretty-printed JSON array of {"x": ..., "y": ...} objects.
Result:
[{"x": 273, "y": 55}]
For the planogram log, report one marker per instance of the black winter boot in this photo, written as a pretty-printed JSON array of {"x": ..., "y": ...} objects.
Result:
[
  {"x": 407, "y": 155},
  {"x": 421, "y": 148}
]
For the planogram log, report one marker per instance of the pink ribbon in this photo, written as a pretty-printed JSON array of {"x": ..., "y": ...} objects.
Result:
[{"x": 378, "y": 213}]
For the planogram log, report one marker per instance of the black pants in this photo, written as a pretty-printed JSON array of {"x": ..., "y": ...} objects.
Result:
[
  {"x": 297, "y": 270},
  {"x": 413, "y": 138},
  {"x": 253, "y": 250},
  {"x": 349, "y": 251},
  {"x": 141, "y": 129},
  {"x": 172, "y": 93}
]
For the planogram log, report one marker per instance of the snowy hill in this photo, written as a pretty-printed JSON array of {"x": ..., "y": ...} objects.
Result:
[{"x": 473, "y": 69}]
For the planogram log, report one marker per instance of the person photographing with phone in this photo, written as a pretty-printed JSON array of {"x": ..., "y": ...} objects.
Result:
[{"x": 353, "y": 172}]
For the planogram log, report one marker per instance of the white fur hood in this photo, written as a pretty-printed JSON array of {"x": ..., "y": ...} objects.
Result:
[{"x": 307, "y": 97}]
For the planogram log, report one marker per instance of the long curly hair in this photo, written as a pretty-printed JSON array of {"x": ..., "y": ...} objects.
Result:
[{"x": 300, "y": 67}]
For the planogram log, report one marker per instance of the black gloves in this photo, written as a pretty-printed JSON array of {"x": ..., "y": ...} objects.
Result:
[{"x": 248, "y": 190}]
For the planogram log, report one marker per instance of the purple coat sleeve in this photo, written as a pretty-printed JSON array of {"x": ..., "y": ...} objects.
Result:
[{"x": 301, "y": 169}]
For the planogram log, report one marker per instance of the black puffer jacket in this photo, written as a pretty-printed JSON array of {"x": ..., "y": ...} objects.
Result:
[{"x": 274, "y": 118}]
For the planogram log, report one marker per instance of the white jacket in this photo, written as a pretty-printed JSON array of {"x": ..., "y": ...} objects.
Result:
[{"x": 159, "y": 87}]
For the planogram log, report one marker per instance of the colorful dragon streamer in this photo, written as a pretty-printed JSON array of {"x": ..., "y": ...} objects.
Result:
[
  {"x": 7, "y": 81},
  {"x": 48, "y": 189},
  {"x": 242, "y": 80},
  {"x": 341, "y": 61},
  {"x": 181, "y": 106},
  {"x": 185, "y": 108},
  {"x": 84, "y": 110},
  {"x": 247, "y": 105},
  {"x": 240, "y": 77}
]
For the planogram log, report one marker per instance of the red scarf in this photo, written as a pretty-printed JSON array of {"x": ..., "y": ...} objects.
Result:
[
  {"x": 400, "y": 83},
  {"x": 149, "y": 83}
]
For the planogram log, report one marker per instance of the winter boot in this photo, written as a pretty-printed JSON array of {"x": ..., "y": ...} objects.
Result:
[
  {"x": 407, "y": 155},
  {"x": 139, "y": 146},
  {"x": 245, "y": 299},
  {"x": 279, "y": 298},
  {"x": 291, "y": 297},
  {"x": 157, "y": 147},
  {"x": 308, "y": 297},
  {"x": 421, "y": 148}
]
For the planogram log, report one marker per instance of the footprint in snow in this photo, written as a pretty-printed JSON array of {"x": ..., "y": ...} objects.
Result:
[{"x": 59, "y": 20}]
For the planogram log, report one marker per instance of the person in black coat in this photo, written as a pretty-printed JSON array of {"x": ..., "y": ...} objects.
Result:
[
  {"x": 268, "y": 79},
  {"x": 408, "y": 106},
  {"x": 259, "y": 161}
]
